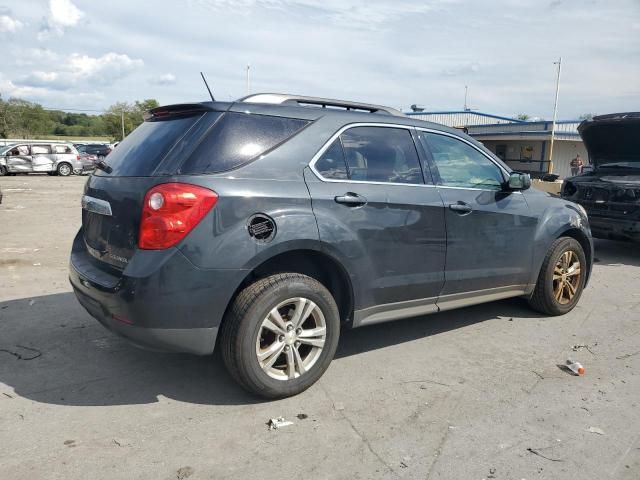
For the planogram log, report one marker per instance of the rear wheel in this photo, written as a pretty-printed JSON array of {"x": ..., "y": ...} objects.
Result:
[
  {"x": 64, "y": 170},
  {"x": 561, "y": 279},
  {"x": 3, "y": 170},
  {"x": 280, "y": 335}
]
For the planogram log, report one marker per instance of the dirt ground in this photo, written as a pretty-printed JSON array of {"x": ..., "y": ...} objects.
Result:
[{"x": 468, "y": 394}]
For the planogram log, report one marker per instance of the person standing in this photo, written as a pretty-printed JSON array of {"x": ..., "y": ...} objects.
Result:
[{"x": 576, "y": 165}]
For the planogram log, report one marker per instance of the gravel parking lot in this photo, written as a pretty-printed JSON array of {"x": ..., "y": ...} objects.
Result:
[{"x": 467, "y": 394}]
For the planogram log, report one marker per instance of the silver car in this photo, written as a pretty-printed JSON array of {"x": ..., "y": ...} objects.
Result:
[{"x": 52, "y": 158}]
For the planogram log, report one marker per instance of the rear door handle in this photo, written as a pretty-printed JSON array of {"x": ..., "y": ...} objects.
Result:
[
  {"x": 461, "y": 208},
  {"x": 351, "y": 199}
]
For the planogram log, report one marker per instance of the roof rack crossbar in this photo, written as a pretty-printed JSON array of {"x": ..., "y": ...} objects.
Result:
[{"x": 300, "y": 100}]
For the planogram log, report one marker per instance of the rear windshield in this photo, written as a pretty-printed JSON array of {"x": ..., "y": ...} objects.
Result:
[
  {"x": 139, "y": 154},
  {"x": 236, "y": 139}
]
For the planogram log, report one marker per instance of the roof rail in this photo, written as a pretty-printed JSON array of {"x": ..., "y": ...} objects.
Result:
[{"x": 301, "y": 100}]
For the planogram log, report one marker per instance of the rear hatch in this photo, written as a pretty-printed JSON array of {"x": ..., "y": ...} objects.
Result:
[
  {"x": 613, "y": 141},
  {"x": 114, "y": 195},
  {"x": 194, "y": 139}
]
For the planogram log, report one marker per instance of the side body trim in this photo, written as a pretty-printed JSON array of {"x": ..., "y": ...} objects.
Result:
[{"x": 424, "y": 306}]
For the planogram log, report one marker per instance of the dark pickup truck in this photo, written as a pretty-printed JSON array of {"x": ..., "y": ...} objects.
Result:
[{"x": 609, "y": 189}]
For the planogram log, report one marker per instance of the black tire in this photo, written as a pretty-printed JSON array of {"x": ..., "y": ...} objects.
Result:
[
  {"x": 64, "y": 170},
  {"x": 3, "y": 170},
  {"x": 242, "y": 325},
  {"x": 543, "y": 299}
]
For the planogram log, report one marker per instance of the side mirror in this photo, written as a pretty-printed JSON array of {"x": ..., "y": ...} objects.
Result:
[
  {"x": 519, "y": 181},
  {"x": 587, "y": 169}
]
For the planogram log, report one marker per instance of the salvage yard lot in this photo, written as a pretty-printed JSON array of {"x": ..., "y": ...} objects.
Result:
[{"x": 467, "y": 394}]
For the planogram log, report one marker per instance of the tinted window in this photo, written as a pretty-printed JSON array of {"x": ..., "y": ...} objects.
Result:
[
  {"x": 40, "y": 149},
  {"x": 331, "y": 164},
  {"x": 381, "y": 154},
  {"x": 238, "y": 138},
  {"x": 461, "y": 165},
  {"x": 141, "y": 152}
]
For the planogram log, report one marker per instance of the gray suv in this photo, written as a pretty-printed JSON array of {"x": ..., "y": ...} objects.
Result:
[
  {"x": 52, "y": 158},
  {"x": 267, "y": 224}
]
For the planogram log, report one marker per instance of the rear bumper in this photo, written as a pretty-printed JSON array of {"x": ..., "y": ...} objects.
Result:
[
  {"x": 614, "y": 228},
  {"x": 161, "y": 301}
]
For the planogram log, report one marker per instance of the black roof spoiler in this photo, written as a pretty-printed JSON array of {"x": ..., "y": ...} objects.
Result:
[{"x": 178, "y": 109}]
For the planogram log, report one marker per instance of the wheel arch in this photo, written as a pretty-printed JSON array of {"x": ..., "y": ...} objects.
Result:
[
  {"x": 585, "y": 242},
  {"x": 313, "y": 263}
]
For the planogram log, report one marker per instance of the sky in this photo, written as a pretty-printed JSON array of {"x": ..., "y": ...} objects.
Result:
[{"x": 87, "y": 55}]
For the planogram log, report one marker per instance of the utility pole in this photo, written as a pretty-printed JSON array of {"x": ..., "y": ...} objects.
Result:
[
  {"x": 466, "y": 90},
  {"x": 122, "y": 122},
  {"x": 555, "y": 116},
  {"x": 248, "y": 84}
]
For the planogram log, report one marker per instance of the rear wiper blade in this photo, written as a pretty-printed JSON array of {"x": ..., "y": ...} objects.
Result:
[{"x": 102, "y": 165}]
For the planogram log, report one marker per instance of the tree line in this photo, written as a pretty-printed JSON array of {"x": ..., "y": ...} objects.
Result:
[{"x": 23, "y": 119}]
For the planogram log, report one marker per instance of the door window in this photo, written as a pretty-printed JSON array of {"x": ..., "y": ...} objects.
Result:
[
  {"x": 460, "y": 165},
  {"x": 381, "y": 154},
  {"x": 20, "y": 150},
  {"x": 331, "y": 164},
  {"x": 40, "y": 149}
]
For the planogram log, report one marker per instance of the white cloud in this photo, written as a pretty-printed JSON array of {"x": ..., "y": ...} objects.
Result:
[
  {"x": 9, "y": 24},
  {"x": 164, "y": 79},
  {"x": 62, "y": 14},
  {"x": 78, "y": 69},
  {"x": 367, "y": 14}
]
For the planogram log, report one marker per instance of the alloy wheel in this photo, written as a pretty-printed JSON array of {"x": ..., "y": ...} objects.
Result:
[
  {"x": 291, "y": 338},
  {"x": 566, "y": 277}
]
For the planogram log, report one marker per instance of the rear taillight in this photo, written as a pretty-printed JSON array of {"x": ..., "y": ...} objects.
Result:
[
  {"x": 171, "y": 211},
  {"x": 77, "y": 157}
]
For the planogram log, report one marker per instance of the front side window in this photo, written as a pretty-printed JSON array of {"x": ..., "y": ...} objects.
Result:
[
  {"x": 461, "y": 165},
  {"x": 20, "y": 150},
  {"x": 381, "y": 154}
]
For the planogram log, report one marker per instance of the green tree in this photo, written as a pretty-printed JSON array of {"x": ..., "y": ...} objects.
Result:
[{"x": 523, "y": 116}]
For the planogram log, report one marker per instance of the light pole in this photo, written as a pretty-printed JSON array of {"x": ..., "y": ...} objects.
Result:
[
  {"x": 466, "y": 90},
  {"x": 248, "y": 85},
  {"x": 122, "y": 122},
  {"x": 555, "y": 115}
]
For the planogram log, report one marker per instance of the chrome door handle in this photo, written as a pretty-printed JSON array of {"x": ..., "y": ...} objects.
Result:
[
  {"x": 351, "y": 199},
  {"x": 461, "y": 208}
]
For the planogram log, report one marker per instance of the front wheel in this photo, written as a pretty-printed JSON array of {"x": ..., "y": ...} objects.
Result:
[
  {"x": 3, "y": 170},
  {"x": 561, "y": 279},
  {"x": 280, "y": 335}
]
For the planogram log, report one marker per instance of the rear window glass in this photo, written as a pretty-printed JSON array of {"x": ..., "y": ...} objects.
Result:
[
  {"x": 139, "y": 154},
  {"x": 238, "y": 138}
]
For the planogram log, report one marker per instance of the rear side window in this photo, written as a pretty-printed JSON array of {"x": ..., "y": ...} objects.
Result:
[
  {"x": 237, "y": 138},
  {"x": 331, "y": 164},
  {"x": 139, "y": 154},
  {"x": 62, "y": 149},
  {"x": 381, "y": 154}
]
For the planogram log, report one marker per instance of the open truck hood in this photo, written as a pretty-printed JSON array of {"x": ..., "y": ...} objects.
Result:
[{"x": 612, "y": 138}]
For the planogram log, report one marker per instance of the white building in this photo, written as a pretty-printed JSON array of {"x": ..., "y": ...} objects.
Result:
[{"x": 524, "y": 146}]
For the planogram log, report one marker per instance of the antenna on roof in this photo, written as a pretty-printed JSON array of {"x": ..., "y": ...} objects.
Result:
[{"x": 207, "y": 85}]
